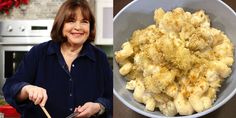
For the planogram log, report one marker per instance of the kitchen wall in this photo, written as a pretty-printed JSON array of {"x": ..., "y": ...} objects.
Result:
[
  {"x": 37, "y": 9},
  {"x": 46, "y": 9}
]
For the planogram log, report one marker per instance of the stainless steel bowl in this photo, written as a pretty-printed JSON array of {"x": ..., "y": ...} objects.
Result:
[{"x": 139, "y": 14}]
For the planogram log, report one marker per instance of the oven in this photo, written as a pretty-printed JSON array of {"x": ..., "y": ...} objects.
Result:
[{"x": 17, "y": 37}]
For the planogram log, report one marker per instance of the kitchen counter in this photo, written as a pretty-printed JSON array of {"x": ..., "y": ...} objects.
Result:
[{"x": 121, "y": 111}]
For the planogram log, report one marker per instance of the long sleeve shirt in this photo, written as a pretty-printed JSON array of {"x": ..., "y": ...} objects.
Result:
[{"x": 90, "y": 80}]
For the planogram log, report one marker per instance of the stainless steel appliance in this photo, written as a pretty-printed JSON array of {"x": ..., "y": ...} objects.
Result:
[{"x": 17, "y": 37}]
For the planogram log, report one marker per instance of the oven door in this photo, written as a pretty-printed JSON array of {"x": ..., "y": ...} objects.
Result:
[{"x": 10, "y": 58}]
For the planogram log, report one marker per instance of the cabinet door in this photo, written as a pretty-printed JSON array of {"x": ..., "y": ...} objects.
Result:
[{"x": 104, "y": 17}]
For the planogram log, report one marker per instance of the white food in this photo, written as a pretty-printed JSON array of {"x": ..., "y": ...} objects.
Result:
[{"x": 176, "y": 64}]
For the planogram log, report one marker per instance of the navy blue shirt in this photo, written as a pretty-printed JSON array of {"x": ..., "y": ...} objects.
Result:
[{"x": 90, "y": 80}]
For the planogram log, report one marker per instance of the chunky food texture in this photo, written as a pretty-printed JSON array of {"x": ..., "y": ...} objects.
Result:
[{"x": 177, "y": 64}]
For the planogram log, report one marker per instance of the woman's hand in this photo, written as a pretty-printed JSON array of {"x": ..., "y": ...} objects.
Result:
[
  {"x": 87, "y": 110},
  {"x": 36, "y": 94}
]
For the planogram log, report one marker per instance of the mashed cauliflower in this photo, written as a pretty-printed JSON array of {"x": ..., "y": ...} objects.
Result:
[{"x": 177, "y": 64}]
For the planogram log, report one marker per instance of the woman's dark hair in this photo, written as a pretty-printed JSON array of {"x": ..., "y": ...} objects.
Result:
[{"x": 67, "y": 12}]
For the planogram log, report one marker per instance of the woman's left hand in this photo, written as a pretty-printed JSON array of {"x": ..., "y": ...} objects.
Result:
[{"x": 87, "y": 110}]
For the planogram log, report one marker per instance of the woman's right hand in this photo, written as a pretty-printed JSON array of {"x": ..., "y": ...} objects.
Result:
[{"x": 36, "y": 94}]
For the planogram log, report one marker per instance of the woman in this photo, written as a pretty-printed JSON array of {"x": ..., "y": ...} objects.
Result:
[{"x": 66, "y": 74}]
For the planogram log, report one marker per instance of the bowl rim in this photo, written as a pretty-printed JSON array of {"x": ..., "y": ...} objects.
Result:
[{"x": 127, "y": 104}]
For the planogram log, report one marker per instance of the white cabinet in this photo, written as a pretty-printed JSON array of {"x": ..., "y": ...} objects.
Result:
[{"x": 104, "y": 24}]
